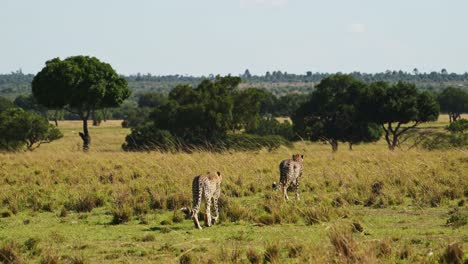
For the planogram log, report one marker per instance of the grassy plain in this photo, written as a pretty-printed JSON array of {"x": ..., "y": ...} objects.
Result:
[{"x": 107, "y": 206}]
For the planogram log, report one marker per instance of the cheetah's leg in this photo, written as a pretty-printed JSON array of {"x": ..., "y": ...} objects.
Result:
[
  {"x": 216, "y": 210},
  {"x": 296, "y": 189},
  {"x": 285, "y": 191},
  {"x": 195, "y": 218},
  {"x": 195, "y": 210},
  {"x": 208, "y": 212}
]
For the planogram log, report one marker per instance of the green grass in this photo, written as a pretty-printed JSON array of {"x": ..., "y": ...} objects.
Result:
[{"x": 41, "y": 193}]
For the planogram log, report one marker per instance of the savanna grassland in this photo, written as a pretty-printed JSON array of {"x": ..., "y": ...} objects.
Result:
[{"x": 369, "y": 205}]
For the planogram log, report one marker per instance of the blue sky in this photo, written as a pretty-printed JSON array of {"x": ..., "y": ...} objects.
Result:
[{"x": 199, "y": 37}]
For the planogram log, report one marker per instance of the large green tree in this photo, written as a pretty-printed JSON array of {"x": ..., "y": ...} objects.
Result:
[
  {"x": 19, "y": 128},
  {"x": 80, "y": 85},
  {"x": 5, "y": 104},
  {"x": 193, "y": 117},
  {"x": 247, "y": 104},
  {"x": 399, "y": 108},
  {"x": 334, "y": 113},
  {"x": 453, "y": 101}
]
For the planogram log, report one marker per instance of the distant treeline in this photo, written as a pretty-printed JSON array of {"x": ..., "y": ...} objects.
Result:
[{"x": 278, "y": 82}]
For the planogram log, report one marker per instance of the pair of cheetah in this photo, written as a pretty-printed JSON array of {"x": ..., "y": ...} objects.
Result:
[{"x": 209, "y": 186}]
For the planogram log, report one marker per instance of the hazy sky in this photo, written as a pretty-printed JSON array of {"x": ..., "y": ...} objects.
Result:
[{"x": 200, "y": 37}]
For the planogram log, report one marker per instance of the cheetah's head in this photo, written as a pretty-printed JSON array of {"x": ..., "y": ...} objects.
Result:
[{"x": 298, "y": 157}]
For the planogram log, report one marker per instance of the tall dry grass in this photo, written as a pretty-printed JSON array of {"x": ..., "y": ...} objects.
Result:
[{"x": 60, "y": 175}]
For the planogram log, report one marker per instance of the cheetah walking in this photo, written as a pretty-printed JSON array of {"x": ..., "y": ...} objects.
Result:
[
  {"x": 290, "y": 173},
  {"x": 209, "y": 186}
]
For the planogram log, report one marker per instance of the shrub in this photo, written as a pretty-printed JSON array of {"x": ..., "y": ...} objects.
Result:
[
  {"x": 266, "y": 219},
  {"x": 294, "y": 250},
  {"x": 383, "y": 248},
  {"x": 148, "y": 238},
  {"x": 86, "y": 202},
  {"x": 453, "y": 254},
  {"x": 457, "y": 218},
  {"x": 186, "y": 258},
  {"x": 316, "y": 215},
  {"x": 459, "y": 126},
  {"x": 166, "y": 222},
  {"x": 235, "y": 212},
  {"x": 255, "y": 142},
  {"x": 345, "y": 246},
  {"x": 6, "y": 213},
  {"x": 271, "y": 126},
  {"x": 444, "y": 141},
  {"x": 49, "y": 257},
  {"x": 32, "y": 245},
  {"x": 177, "y": 217},
  {"x": 253, "y": 256},
  {"x": 135, "y": 117},
  {"x": 272, "y": 253},
  {"x": 10, "y": 253},
  {"x": 19, "y": 128},
  {"x": 121, "y": 214},
  {"x": 147, "y": 137}
]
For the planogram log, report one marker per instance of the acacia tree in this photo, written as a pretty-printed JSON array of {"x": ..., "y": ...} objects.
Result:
[
  {"x": 453, "y": 101},
  {"x": 19, "y": 128},
  {"x": 80, "y": 85},
  {"x": 191, "y": 117},
  {"x": 334, "y": 113},
  {"x": 393, "y": 106}
]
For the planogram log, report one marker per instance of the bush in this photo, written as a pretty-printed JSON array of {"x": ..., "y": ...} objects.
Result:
[
  {"x": 147, "y": 137},
  {"x": 272, "y": 254},
  {"x": 444, "y": 141},
  {"x": 345, "y": 246},
  {"x": 85, "y": 203},
  {"x": 19, "y": 128},
  {"x": 255, "y": 142},
  {"x": 316, "y": 215},
  {"x": 186, "y": 259},
  {"x": 453, "y": 254},
  {"x": 136, "y": 117},
  {"x": 459, "y": 126},
  {"x": 295, "y": 250},
  {"x": 271, "y": 126},
  {"x": 253, "y": 256},
  {"x": 122, "y": 214},
  {"x": 10, "y": 253},
  {"x": 234, "y": 211},
  {"x": 457, "y": 218},
  {"x": 32, "y": 245},
  {"x": 266, "y": 219}
]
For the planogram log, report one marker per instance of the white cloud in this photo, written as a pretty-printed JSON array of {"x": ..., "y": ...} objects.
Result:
[
  {"x": 357, "y": 28},
  {"x": 263, "y": 3}
]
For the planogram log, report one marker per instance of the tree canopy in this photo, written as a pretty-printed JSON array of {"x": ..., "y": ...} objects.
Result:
[
  {"x": 79, "y": 84},
  {"x": 5, "y": 104},
  {"x": 395, "y": 105},
  {"x": 202, "y": 117},
  {"x": 334, "y": 113},
  {"x": 19, "y": 128},
  {"x": 453, "y": 101}
]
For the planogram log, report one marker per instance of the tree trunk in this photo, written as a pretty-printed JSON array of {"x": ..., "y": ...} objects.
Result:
[
  {"x": 93, "y": 116},
  {"x": 350, "y": 146},
  {"x": 394, "y": 141},
  {"x": 56, "y": 117},
  {"x": 104, "y": 113},
  {"x": 387, "y": 138},
  {"x": 334, "y": 144},
  {"x": 85, "y": 135},
  {"x": 450, "y": 118}
]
